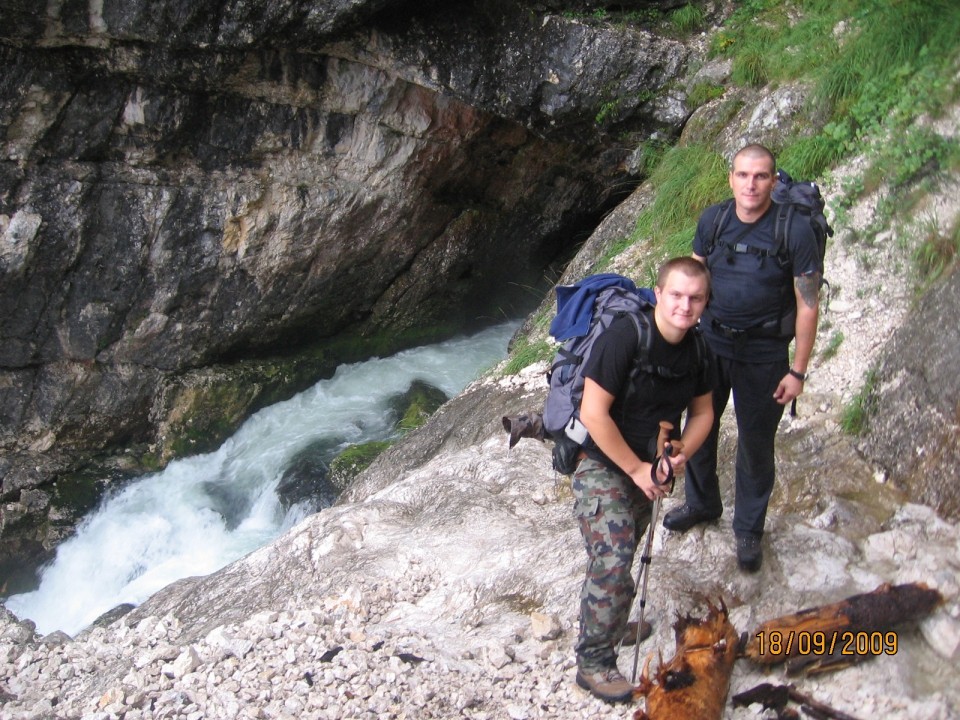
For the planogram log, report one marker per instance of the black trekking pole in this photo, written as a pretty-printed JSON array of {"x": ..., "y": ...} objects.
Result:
[{"x": 645, "y": 558}]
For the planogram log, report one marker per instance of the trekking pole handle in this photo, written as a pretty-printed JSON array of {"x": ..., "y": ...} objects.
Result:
[
  {"x": 665, "y": 457},
  {"x": 663, "y": 437},
  {"x": 665, "y": 448}
]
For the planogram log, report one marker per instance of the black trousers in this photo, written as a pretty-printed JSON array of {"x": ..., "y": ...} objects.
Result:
[{"x": 758, "y": 416}]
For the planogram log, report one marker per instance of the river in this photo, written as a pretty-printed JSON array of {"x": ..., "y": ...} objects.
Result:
[{"x": 175, "y": 524}]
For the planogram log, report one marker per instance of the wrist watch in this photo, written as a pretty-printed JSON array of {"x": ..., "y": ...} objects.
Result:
[{"x": 802, "y": 377}]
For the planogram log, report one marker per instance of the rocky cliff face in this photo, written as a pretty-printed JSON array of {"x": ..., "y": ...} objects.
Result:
[
  {"x": 446, "y": 582},
  {"x": 914, "y": 404},
  {"x": 204, "y": 206}
]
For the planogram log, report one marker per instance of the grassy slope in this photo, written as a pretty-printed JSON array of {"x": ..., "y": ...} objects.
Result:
[{"x": 876, "y": 67}]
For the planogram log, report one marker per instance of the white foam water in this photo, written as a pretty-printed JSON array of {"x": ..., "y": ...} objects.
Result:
[{"x": 203, "y": 512}]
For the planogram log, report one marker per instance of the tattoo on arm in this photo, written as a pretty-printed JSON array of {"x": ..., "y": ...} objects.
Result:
[{"x": 809, "y": 288}]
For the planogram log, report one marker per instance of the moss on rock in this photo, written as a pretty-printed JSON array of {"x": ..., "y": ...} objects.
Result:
[
  {"x": 418, "y": 403},
  {"x": 354, "y": 460}
]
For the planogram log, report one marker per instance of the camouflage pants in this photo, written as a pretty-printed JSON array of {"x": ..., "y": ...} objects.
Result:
[{"x": 612, "y": 513}]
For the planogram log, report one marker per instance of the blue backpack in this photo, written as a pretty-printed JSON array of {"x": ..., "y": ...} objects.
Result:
[{"x": 584, "y": 311}]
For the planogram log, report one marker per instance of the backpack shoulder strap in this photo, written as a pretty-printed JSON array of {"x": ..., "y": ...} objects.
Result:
[
  {"x": 719, "y": 222},
  {"x": 642, "y": 362},
  {"x": 781, "y": 229},
  {"x": 641, "y": 359},
  {"x": 644, "y": 342},
  {"x": 700, "y": 344}
]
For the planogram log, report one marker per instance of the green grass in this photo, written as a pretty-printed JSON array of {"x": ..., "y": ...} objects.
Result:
[
  {"x": 768, "y": 41},
  {"x": 809, "y": 157},
  {"x": 833, "y": 346},
  {"x": 526, "y": 353},
  {"x": 688, "y": 179},
  {"x": 853, "y": 419},
  {"x": 687, "y": 18},
  {"x": 650, "y": 154},
  {"x": 897, "y": 64},
  {"x": 936, "y": 252},
  {"x": 888, "y": 42},
  {"x": 875, "y": 67},
  {"x": 702, "y": 93}
]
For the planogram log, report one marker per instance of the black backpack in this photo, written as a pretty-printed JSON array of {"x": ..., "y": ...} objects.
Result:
[
  {"x": 792, "y": 198},
  {"x": 616, "y": 297}
]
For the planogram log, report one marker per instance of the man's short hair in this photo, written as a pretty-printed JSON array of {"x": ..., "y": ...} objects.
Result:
[
  {"x": 755, "y": 150},
  {"x": 689, "y": 266}
]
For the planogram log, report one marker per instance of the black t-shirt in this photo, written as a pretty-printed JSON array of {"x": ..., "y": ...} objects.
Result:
[
  {"x": 749, "y": 291},
  {"x": 653, "y": 398}
]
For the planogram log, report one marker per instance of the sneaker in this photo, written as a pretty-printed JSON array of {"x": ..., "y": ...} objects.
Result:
[
  {"x": 685, "y": 517},
  {"x": 605, "y": 683},
  {"x": 630, "y": 634},
  {"x": 749, "y": 553}
]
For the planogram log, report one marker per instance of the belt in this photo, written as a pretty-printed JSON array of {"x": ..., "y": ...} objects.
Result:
[
  {"x": 727, "y": 331},
  {"x": 768, "y": 329}
]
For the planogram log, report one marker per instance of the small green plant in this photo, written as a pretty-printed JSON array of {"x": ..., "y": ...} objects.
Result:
[
  {"x": 645, "y": 96},
  {"x": 606, "y": 110},
  {"x": 853, "y": 419},
  {"x": 749, "y": 68},
  {"x": 702, "y": 93},
  {"x": 526, "y": 353},
  {"x": 722, "y": 43},
  {"x": 833, "y": 345},
  {"x": 936, "y": 252},
  {"x": 687, "y": 18},
  {"x": 750, "y": 40},
  {"x": 649, "y": 155},
  {"x": 612, "y": 251},
  {"x": 917, "y": 151},
  {"x": 809, "y": 157},
  {"x": 646, "y": 16}
]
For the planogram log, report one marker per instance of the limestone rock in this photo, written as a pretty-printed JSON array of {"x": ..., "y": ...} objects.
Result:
[
  {"x": 914, "y": 405},
  {"x": 206, "y": 206},
  {"x": 545, "y": 627}
]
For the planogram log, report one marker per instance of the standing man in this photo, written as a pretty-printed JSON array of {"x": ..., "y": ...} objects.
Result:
[
  {"x": 613, "y": 484},
  {"x": 759, "y": 303}
]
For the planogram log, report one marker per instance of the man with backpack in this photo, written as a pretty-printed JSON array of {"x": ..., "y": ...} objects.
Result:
[
  {"x": 618, "y": 474},
  {"x": 762, "y": 297}
]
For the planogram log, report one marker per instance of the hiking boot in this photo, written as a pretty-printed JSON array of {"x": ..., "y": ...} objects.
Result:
[
  {"x": 685, "y": 517},
  {"x": 630, "y": 634},
  {"x": 605, "y": 683},
  {"x": 749, "y": 553}
]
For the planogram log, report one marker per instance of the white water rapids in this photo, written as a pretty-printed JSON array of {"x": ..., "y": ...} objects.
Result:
[{"x": 163, "y": 527}]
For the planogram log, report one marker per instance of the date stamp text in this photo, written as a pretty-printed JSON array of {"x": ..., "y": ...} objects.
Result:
[{"x": 839, "y": 642}]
